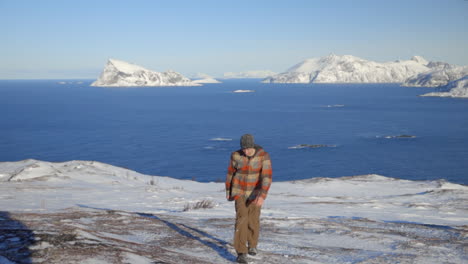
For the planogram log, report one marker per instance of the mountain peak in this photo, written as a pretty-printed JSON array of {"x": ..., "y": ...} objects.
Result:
[
  {"x": 420, "y": 60},
  {"x": 124, "y": 66},
  {"x": 317, "y": 64},
  {"x": 119, "y": 73}
]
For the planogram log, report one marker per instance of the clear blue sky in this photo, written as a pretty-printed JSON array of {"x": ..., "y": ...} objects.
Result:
[{"x": 74, "y": 39}]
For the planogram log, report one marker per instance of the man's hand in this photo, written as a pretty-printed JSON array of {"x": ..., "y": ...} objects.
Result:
[{"x": 259, "y": 201}]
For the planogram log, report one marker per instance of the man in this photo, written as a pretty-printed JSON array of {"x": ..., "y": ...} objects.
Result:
[{"x": 247, "y": 183}]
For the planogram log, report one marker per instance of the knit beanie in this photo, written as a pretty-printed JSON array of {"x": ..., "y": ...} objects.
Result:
[{"x": 247, "y": 141}]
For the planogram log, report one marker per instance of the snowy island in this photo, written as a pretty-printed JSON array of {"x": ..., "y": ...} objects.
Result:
[
  {"x": 243, "y": 91},
  {"x": 92, "y": 212},
  {"x": 204, "y": 78},
  {"x": 260, "y": 74},
  {"x": 123, "y": 74},
  {"x": 350, "y": 69}
]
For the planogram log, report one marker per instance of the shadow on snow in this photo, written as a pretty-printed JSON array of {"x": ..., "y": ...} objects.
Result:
[
  {"x": 15, "y": 240},
  {"x": 218, "y": 245}
]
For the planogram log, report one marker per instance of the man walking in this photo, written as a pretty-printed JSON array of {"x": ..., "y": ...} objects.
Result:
[{"x": 247, "y": 183}]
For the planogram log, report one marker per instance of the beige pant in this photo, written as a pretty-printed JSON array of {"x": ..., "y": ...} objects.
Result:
[{"x": 247, "y": 226}]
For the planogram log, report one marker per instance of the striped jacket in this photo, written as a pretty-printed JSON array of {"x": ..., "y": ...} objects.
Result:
[{"x": 249, "y": 177}]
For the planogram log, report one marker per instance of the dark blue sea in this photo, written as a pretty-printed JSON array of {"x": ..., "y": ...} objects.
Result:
[{"x": 189, "y": 132}]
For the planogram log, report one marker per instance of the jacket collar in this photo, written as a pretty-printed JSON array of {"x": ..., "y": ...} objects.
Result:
[{"x": 258, "y": 150}]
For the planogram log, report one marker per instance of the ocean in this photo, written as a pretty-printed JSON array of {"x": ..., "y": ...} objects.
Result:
[{"x": 310, "y": 130}]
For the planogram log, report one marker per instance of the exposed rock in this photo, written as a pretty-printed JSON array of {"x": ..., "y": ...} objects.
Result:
[
  {"x": 300, "y": 146},
  {"x": 401, "y": 136}
]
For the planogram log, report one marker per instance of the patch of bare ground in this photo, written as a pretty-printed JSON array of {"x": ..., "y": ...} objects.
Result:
[{"x": 74, "y": 236}]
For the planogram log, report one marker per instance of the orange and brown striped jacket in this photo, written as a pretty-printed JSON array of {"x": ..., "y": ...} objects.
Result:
[{"x": 248, "y": 177}]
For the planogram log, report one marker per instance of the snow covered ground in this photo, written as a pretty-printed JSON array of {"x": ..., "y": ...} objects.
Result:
[{"x": 91, "y": 212}]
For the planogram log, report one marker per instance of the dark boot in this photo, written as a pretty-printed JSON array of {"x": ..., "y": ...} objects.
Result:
[{"x": 242, "y": 258}]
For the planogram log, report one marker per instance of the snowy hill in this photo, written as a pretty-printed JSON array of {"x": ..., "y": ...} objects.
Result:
[
  {"x": 123, "y": 74},
  {"x": 440, "y": 75},
  {"x": 204, "y": 78},
  {"x": 350, "y": 69},
  {"x": 458, "y": 88},
  {"x": 248, "y": 74},
  {"x": 91, "y": 212}
]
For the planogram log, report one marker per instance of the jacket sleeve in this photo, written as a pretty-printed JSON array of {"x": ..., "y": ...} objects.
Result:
[
  {"x": 230, "y": 173},
  {"x": 266, "y": 176}
]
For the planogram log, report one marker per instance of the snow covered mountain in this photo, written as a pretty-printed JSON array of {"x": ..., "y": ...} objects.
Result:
[
  {"x": 439, "y": 75},
  {"x": 457, "y": 88},
  {"x": 204, "y": 78},
  {"x": 350, "y": 69},
  {"x": 248, "y": 74},
  {"x": 451, "y": 80},
  {"x": 123, "y": 74}
]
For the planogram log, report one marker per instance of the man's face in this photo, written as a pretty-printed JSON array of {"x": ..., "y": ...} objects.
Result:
[{"x": 249, "y": 152}]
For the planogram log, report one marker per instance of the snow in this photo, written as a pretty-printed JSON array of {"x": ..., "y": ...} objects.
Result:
[
  {"x": 126, "y": 67},
  {"x": 367, "y": 218},
  {"x": 4, "y": 260},
  {"x": 450, "y": 80},
  {"x": 457, "y": 88},
  {"x": 204, "y": 78},
  {"x": 420, "y": 60},
  {"x": 119, "y": 73},
  {"x": 136, "y": 259},
  {"x": 95, "y": 260},
  {"x": 221, "y": 139},
  {"x": 439, "y": 75},
  {"x": 243, "y": 91},
  {"x": 207, "y": 80},
  {"x": 249, "y": 74},
  {"x": 350, "y": 69}
]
